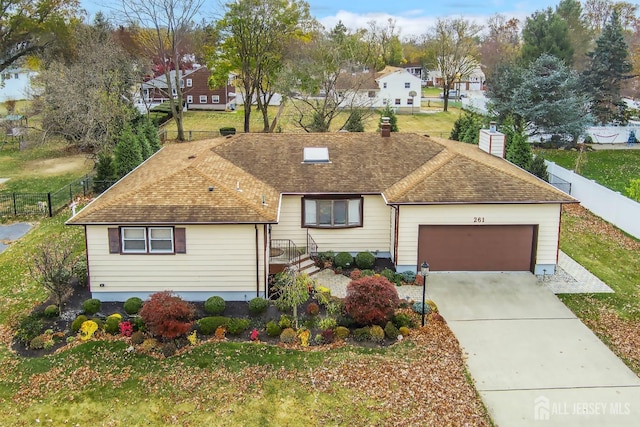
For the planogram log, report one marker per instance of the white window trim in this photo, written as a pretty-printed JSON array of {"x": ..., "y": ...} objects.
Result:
[
  {"x": 189, "y": 99},
  {"x": 189, "y": 83},
  {"x": 203, "y": 99},
  {"x": 215, "y": 99},
  {"x": 148, "y": 241}
]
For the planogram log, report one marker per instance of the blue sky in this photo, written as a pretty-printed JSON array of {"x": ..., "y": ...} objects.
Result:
[{"x": 412, "y": 16}]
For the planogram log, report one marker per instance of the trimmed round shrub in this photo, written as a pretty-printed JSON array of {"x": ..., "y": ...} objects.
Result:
[
  {"x": 75, "y": 325},
  {"x": 288, "y": 336},
  {"x": 404, "y": 331},
  {"x": 362, "y": 334},
  {"x": 408, "y": 276},
  {"x": 214, "y": 305},
  {"x": 341, "y": 332},
  {"x": 169, "y": 349},
  {"x": 417, "y": 307},
  {"x": 51, "y": 310},
  {"x": 258, "y": 305},
  {"x": 313, "y": 309},
  {"x": 432, "y": 305},
  {"x": 401, "y": 320},
  {"x": 285, "y": 321},
  {"x": 91, "y": 306},
  {"x": 208, "y": 325},
  {"x": 377, "y": 333},
  {"x": 37, "y": 343},
  {"x": 391, "y": 331},
  {"x": 367, "y": 273},
  {"x": 167, "y": 316},
  {"x": 30, "y": 327},
  {"x": 237, "y": 325},
  {"x": 112, "y": 325},
  {"x": 133, "y": 305},
  {"x": 343, "y": 260},
  {"x": 137, "y": 338},
  {"x": 327, "y": 323},
  {"x": 355, "y": 274},
  {"x": 371, "y": 300},
  {"x": 365, "y": 260},
  {"x": 273, "y": 330},
  {"x": 327, "y": 335}
]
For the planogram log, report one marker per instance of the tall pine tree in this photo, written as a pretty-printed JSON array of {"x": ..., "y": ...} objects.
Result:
[{"x": 608, "y": 67}]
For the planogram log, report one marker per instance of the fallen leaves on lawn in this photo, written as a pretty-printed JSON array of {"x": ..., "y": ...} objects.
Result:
[
  {"x": 623, "y": 335},
  {"x": 589, "y": 223}
]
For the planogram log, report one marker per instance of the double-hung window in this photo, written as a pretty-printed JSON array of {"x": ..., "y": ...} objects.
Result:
[
  {"x": 332, "y": 213},
  {"x": 147, "y": 240}
]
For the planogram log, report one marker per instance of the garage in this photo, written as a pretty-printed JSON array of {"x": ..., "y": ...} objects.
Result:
[{"x": 477, "y": 247}]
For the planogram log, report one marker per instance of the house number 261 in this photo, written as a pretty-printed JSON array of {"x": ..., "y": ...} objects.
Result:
[{"x": 478, "y": 219}]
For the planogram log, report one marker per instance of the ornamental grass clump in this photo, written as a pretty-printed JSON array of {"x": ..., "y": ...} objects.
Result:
[
  {"x": 371, "y": 300},
  {"x": 167, "y": 316}
]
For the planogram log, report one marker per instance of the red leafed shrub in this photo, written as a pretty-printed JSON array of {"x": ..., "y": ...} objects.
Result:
[
  {"x": 371, "y": 300},
  {"x": 166, "y": 315},
  {"x": 355, "y": 274}
]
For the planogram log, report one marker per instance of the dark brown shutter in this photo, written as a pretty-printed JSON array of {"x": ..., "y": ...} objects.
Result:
[
  {"x": 114, "y": 241},
  {"x": 181, "y": 240}
]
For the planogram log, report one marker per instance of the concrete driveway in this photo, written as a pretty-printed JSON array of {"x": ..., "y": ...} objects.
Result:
[{"x": 533, "y": 361}]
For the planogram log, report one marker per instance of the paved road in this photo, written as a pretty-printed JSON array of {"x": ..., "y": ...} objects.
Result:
[
  {"x": 533, "y": 361},
  {"x": 12, "y": 232}
]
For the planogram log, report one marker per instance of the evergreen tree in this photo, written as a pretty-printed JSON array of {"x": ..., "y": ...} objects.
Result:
[
  {"x": 151, "y": 132},
  {"x": 354, "y": 122},
  {"x": 128, "y": 154},
  {"x": 145, "y": 147},
  {"x": 519, "y": 151},
  {"x": 467, "y": 128},
  {"x": 105, "y": 172},
  {"x": 539, "y": 168},
  {"x": 546, "y": 32},
  {"x": 608, "y": 67},
  {"x": 387, "y": 111}
]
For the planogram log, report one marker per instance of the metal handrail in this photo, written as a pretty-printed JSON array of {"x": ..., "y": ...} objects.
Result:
[
  {"x": 288, "y": 250},
  {"x": 312, "y": 246}
]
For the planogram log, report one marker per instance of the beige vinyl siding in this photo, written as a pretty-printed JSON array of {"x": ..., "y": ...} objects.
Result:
[
  {"x": 219, "y": 258},
  {"x": 546, "y": 216},
  {"x": 373, "y": 235}
]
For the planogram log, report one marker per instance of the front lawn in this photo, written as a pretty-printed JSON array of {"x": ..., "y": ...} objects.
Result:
[
  {"x": 610, "y": 168},
  {"x": 421, "y": 380}
]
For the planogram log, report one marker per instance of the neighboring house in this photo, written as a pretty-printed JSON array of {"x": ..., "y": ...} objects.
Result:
[
  {"x": 392, "y": 85},
  {"x": 417, "y": 70},
  {"x": 216, "y": 217},
  {"x": 196, "y": 91},
  {"x": 473, "y": 82},
  {"x": 16, "y": 84}
]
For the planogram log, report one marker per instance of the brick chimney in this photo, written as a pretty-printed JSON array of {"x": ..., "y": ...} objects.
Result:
[{"x": 385, "y": 128}]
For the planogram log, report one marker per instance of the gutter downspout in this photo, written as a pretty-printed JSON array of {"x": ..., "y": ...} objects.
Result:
[
  {"x": 395, "y": 233},
  {"x": 255, "y": 226},
  {"x": 266, "y": 232}
]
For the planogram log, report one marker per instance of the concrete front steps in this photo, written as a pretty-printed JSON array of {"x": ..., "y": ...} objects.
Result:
[{"x": 308, "y": 266}]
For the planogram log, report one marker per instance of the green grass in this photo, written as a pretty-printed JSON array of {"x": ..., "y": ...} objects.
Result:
[
  {"x": 43, "y": 168},
  {"x": 436, "y": 123},
  {"x": 610, "y": 168}
]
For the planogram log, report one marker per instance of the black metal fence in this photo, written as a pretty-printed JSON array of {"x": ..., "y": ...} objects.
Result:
[
  {"x": 560, "y": 183},
  {"x": 48, "y": 204}
]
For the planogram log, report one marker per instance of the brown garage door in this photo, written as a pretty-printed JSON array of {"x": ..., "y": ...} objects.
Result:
[{"x": 477, "y": 247}]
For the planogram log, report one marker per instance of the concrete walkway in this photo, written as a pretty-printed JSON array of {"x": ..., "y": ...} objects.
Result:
[
  {"x": 533, "y": 361},
  {"x": 11, "y": 232}
]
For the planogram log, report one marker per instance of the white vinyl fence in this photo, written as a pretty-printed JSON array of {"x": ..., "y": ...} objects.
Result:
[{"x": 610, "y": 205}]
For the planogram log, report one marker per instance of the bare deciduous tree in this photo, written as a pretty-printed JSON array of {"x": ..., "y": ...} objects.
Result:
[
  {"x": 52, "y": 266},
  {"x": 452, "y": 50},
  {"x": 169, "y": 24}
]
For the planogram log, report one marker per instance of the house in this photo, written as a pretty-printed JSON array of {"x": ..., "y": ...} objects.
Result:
[
  {"x": 216, "y": 217},
  {"x": 475, "y": 81},
  {"x": 196, "y": 91},
  {"x": 16, "y": 84},
  {"x": 392, "y": 85}
]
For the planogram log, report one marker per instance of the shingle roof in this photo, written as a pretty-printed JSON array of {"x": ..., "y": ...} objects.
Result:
[{"x": 173, "y": 185}]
